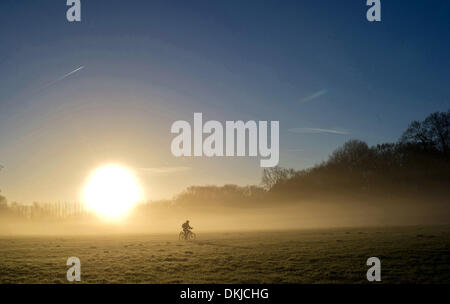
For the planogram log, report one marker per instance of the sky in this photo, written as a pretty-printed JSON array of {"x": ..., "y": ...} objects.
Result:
[{"x": 74, "y": 96}]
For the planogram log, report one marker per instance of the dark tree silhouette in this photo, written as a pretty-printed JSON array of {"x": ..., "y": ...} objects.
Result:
[
  {"x": 354, "y": 154},
  {"x": 275, "y": 175},
  {"x": 431, "y": 133},
  {"x": 418, "y": 164}
]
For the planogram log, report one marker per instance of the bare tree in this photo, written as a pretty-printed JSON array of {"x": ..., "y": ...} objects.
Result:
[
  {"x": 433, "y": 132},
  {"x": 275, "y": 175},
  {"x": 354, "y": 154},
  {"x": 417, "y": 133},
  {"x": 438, "y": 125}
]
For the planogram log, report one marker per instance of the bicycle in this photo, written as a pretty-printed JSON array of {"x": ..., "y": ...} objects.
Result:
[{"x": 189, "y": 236}]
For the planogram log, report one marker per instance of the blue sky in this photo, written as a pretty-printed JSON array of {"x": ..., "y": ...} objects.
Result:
[{"x": 318, "y": 67}]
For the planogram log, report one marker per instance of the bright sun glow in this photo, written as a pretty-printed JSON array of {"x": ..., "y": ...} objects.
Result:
[{"x": 111, "y": 191}]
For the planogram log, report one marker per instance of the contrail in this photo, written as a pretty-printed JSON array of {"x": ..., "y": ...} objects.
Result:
[
  {"x": 314, "y": 96},
  {"x": 63, "y": 77},
  {"x": 70, "y": 73},
  {"x": 318, "y": 130}
]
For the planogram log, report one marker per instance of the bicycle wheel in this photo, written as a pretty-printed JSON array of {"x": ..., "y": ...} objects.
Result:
[
  {"x": 192, "y": 236},
  {"x": 181, "y": 236}
]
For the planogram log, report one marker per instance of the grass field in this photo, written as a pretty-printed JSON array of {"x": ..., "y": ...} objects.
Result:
[{"x": 408, "y": 255}]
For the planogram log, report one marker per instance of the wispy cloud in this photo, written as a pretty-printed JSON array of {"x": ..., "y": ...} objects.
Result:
[
  {"x": 164, "y": 170},
  {"x": 63, "y": 77},
  {"x": 314, "y": 96},
  {"x": 319, "y": 131}
]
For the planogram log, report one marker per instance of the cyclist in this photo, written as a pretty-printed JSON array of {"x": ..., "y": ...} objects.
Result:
[{"x": 186, "y": 228}]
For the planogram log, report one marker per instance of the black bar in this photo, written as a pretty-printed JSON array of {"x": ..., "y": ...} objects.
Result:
[{"x": 165, "y": 293}]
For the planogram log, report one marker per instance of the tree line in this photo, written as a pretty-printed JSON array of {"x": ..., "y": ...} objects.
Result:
[{"x": 417, "y": 164}]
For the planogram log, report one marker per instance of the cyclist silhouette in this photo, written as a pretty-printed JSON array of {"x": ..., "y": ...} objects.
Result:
[{"x": 186, "y": 228}]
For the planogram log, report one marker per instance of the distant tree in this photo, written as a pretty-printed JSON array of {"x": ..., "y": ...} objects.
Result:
[
  {"x": 252, "y": 190},
  {"x": 354, "y": 154},
  {"x": 275, "y": 175},
  {"x": 432, "y": 133},
  {"x": 439, "y": 124},
  {"x": 3, "y": 202},
  {"x": 417, "y": 133}
]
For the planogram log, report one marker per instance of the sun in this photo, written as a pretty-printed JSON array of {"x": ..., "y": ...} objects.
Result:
[{"x": 111, "y": 191}]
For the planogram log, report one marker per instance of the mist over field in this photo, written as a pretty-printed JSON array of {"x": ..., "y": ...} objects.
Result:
[{"x": 167, "y": 218}]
